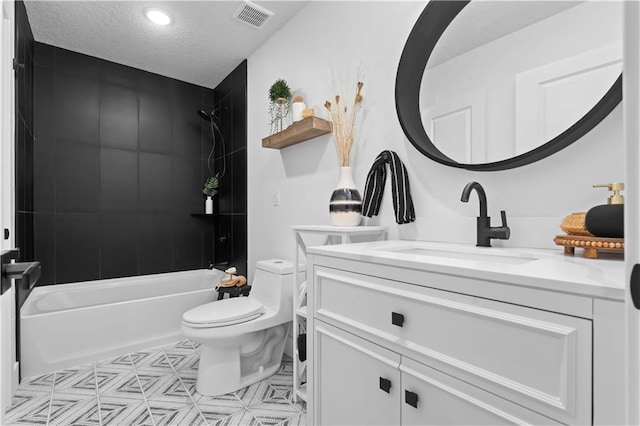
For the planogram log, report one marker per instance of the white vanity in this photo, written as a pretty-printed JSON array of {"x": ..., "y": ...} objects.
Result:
[{"x": 431, "y": 333}]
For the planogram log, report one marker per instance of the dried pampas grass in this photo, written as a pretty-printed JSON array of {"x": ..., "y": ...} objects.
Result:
[{"x": 344, "y": 118}]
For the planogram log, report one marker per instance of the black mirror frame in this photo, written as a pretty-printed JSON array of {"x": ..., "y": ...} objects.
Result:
[{"x": 424, "y": 36}]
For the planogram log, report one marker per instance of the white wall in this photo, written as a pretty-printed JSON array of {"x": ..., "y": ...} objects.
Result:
[{"x": 331, "y": 35}]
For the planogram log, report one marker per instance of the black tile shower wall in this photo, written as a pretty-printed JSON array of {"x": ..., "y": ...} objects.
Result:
[
  {"x": 231, "y": 207},
  {"x": 24, "y": 141},
  {"x": 120, "y": 157}
]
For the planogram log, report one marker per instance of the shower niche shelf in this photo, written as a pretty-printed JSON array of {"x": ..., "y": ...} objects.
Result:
[{"x": 300, "y": 131}]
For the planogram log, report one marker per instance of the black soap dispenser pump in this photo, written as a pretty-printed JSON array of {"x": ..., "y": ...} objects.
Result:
[{"x": 607, "y": 220}]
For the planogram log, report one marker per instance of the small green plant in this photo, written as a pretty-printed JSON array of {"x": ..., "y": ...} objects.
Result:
[
  {"x": 279, "y": 90},
  {"x": 211, "y": 186},
  {"x": 279, "y": 97}
]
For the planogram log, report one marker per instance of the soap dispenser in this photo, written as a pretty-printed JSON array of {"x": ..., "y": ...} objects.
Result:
[{"x": 607, "y": 220}]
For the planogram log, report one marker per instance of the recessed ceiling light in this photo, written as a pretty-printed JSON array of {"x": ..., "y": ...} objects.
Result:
[{"x": 158, "y": 16}]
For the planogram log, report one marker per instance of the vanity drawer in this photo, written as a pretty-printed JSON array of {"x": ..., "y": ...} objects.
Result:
[
  {"x": 539, "y": 359},
  {"x": 443, "y": 400}
]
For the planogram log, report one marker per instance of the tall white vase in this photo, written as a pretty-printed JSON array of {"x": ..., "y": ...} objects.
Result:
[{"x": 345, "y": 207}]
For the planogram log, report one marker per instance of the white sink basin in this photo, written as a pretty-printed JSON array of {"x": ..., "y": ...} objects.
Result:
[{"x": 464, "y": 253}]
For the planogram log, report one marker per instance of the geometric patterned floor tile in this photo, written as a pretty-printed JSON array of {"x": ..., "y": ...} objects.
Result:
[
  {"x": 188, "y": 416},
  {"x": 181, "y": 345},
  {"x": 158, "y": 362},
  {"x": 274, "y": 411},
  {"x": 81, "y": 381},
  {"x": 286, "y": 366},
  {"x": 148, "y": 357},
  {"x": 152, "y": 382},
  {"x": 216, "y": 408},
  {"x": 28, "y": 410},
  {"x": 162, "y": 411},
  {"x": 242, "y": 417},
  {"x": 42, "y": 383},
  {"x": 122, "y": 362},
  {"x": 126, "y": 387},
  {"x": 189, "y": 383},
  {"x": 66, "y": 408},
  {"x": 300, "y": 405},
  {"x": 189, "y": 364},
  {"x": 108, "y": 378},
  {"x": 143, "y": 389},
  {"x": 179, "y": 359},
  {"x": 24, "y": 399},
  {"x": 64, "y": 376},
  {"x": 283, "y": 383},
  {"x": 84, "y": 412},
  {"x": 299, "y": 420},
  {"x": 116, "y": 411},
  {"x": 257, "y": 393},
  {"x": 171, "y": 391}
]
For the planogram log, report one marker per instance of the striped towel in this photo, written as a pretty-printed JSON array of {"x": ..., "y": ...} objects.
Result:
[{"x": 402, "y": 202}]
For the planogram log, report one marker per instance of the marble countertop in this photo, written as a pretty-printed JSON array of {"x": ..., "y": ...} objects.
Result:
[{"x": 544, "y": 269}]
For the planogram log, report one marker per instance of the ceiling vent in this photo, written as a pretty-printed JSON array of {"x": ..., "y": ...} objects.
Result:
[{"x": 252, "y": 14}]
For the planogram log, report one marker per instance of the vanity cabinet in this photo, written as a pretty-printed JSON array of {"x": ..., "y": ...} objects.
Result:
[
  {"x": 361, "y": 383},
  {"x": 395, "y": 347}
]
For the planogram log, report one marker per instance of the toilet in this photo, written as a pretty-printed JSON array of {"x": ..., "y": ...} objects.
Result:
[{"x": 242, "y": 339}]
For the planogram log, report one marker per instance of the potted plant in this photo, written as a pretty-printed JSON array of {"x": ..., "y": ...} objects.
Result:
[
  {"x": 279, "y": 97},
  {"x": 210, "y": 189}
]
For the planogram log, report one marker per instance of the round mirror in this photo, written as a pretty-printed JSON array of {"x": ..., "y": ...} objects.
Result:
[{"x": 493, "y": 85}]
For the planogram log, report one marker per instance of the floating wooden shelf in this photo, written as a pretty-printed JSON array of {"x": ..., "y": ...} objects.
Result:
[{"x": 300, "y": 131}]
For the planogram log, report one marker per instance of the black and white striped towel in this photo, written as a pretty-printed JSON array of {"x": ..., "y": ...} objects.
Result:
[{"x": 402, "y": 202}]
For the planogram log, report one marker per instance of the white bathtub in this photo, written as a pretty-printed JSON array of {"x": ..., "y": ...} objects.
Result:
[{"x": 71, "y": 324}]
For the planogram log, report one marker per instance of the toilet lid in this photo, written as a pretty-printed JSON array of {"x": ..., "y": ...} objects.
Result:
[{"x": 224, "y": 312}]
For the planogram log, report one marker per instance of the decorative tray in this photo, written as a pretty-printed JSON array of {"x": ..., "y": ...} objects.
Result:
[{"x": 591, "y": 245}]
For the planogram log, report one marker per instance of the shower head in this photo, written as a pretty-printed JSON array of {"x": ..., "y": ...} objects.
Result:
[{"x": 205, "y": 115}]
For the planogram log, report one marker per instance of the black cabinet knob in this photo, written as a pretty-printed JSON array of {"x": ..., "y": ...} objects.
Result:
[
  {"x": 397, "y": 319},
  {"x": 411, "y": 398},
  {"x": 385, "y": 384}
]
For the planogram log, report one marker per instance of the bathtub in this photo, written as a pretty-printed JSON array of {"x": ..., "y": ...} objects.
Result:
[{"x": 72, "y": 324}]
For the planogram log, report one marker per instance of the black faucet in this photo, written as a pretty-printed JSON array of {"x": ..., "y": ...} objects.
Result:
[{"x": 484, "y": 229}]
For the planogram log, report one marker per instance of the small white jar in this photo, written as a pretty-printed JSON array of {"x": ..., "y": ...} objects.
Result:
[
  {"x": 208, "y": 206},
  {"x": 296, "y": 108}
]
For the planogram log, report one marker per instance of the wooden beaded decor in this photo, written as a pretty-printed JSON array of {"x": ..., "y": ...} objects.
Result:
[{"x": 591, "y": 245}]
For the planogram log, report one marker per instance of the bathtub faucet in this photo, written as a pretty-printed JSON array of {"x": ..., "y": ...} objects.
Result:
[
  {"x": 218, "y": 265},
  {"x": 27, "y": 272}
]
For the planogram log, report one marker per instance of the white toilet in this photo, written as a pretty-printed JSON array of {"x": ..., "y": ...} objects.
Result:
[{"x": 242, "y": 339}]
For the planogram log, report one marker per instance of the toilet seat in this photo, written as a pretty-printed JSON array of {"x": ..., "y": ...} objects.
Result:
[{"x": 223, "y": 312}]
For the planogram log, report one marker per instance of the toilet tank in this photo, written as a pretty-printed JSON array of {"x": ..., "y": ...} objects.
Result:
[{"x": 273, "y": 285}]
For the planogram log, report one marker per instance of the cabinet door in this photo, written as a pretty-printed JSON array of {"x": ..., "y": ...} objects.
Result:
[
  {"x": 355, "y": 381},
  {"x": 430, "y": 397}
]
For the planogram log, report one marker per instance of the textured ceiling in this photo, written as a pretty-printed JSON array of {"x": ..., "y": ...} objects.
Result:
[{"x": 202, "y": 45}]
